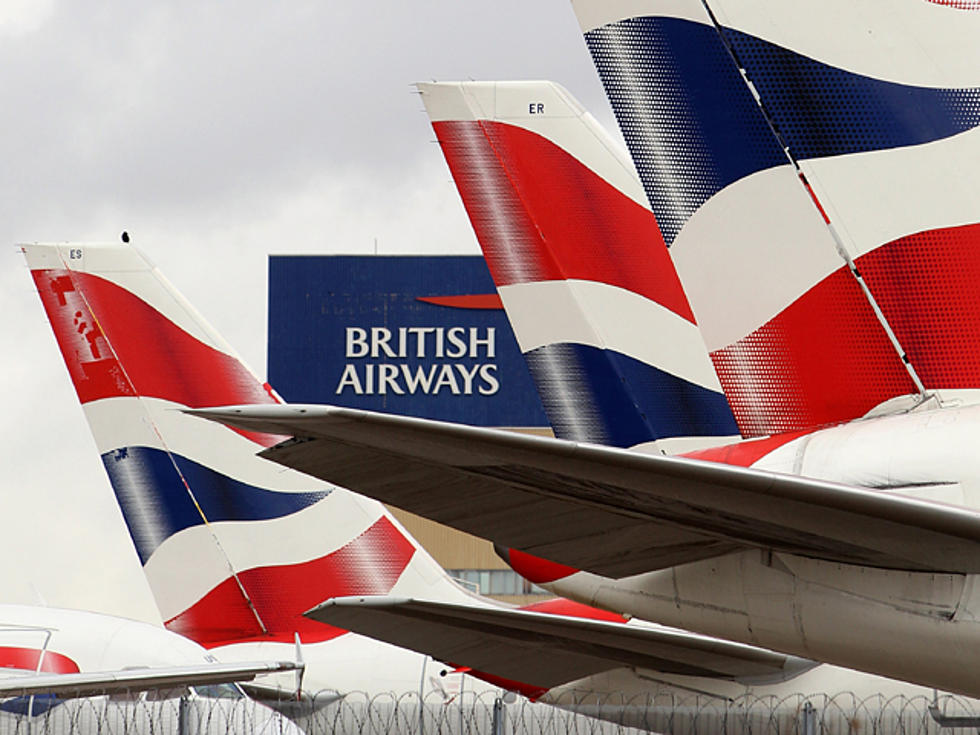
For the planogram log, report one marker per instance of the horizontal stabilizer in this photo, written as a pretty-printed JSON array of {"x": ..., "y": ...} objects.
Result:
[
  {"x": 509, "y": 643},
  {"x": 88, "y": 684},
  {"x": 608, "y": 511}
]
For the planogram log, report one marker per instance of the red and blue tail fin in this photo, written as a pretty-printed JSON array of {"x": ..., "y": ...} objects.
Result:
[
  {"x": 806, "y": 164},
  {"x": 580, "y": 265},
  {"x": 233, "y": 547}
]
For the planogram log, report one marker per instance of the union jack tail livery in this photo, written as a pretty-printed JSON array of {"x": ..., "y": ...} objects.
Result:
[
  {"x": 579, "y": 262},
  {"x": 234, "y": 548},
  {"x": 808, "y": 166}
]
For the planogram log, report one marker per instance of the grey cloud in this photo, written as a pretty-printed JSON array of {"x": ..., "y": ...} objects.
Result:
[{"x": 217, "y": 132}]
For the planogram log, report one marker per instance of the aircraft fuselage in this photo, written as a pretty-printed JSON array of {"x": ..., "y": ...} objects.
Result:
[{"x": 914, "y": 626}]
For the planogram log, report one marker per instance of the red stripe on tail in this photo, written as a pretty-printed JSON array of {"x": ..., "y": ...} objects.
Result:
[
  {"x": 804, "y": 370},
  {"x": 115, "y": 344},
  {"x": 926, "y": 285},
  {"x": 368, "y": 565},
  {"x": 958, "y": 4},
  {"x": 541, "y": 215}
]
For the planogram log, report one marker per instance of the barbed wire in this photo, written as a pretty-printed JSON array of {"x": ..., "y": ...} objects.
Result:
[{"x": 330, "y": 713}]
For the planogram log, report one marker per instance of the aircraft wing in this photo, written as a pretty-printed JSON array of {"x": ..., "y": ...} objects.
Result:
[
  {"x": 88, "y": 684},
  {"x": 609, "y": 511},
  {"x": 543, "y": 649}
]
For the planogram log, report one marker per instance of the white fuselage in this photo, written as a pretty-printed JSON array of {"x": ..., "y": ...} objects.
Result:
[
  {"x": 355, "y": 663},
  {"x": 913, "y": 626},
  {"x": 688, "y": 704},
  {"x": 67, "y": 641}
]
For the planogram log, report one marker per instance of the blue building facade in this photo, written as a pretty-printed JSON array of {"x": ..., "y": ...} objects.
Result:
[{"x": 416, "y": 335}]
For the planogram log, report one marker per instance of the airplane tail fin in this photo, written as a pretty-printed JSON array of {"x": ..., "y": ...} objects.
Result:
[
  {"x": 806, "y": 164},
  {"x": 233, "y": 547},
  {"x": 579, "y": 263}
]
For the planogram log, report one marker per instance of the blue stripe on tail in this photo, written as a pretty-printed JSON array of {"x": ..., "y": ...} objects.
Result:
[
  {"x": 693, "y": 127},
  {"x": 156, "y": 505},
  {"x": 690, "y": 122},
  {"x": 604, "y": 397},
  {"x": 821, "y": 110}
]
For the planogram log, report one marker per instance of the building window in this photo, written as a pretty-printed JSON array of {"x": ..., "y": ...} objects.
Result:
[{"x": 496, "y": 582}]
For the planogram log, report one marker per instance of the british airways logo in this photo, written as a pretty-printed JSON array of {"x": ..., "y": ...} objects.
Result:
[
  {"x": 416, "y": 335},
  {"x": 454, "y": 360}
]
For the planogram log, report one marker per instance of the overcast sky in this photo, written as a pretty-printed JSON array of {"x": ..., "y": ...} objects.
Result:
[{"x": 216, "y": 134}]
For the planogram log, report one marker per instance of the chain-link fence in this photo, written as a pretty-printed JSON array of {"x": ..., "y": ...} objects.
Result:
[{"x": 485, "y": 714}]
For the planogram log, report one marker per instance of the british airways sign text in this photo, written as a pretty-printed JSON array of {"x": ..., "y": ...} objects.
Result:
[
  {"x": 363, "y": 374},
  {"x": 420, "y": 336}
]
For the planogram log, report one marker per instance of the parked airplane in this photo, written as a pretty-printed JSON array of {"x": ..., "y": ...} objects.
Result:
[
  {"x": 876, "y": 538},
  {"x": 53, "y": 662},
  {"x": 474, "y": 120}
]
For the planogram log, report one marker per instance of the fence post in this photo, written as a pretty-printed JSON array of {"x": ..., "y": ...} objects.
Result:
[
  {"x": 425, "y": 662},
  {"x": 809, "y": 719},
  {"x": 182, "y": 713},
  {"x": 499, "y": 716}
]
